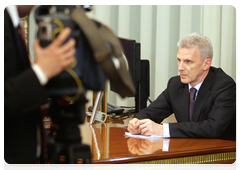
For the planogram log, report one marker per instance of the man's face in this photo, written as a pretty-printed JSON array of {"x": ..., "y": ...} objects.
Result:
[{"x": 190, "y": 66}]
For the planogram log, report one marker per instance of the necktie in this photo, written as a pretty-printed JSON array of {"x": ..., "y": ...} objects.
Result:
[{"x": 192, "y": 101}]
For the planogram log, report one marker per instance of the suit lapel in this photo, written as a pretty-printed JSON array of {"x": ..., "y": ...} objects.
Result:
[
  {"x": 184, "y": 103},
  {"x": 202, "y": 96}
]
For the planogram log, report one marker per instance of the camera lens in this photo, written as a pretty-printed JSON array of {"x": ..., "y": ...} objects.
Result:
[{"x": 43, "y": 30}]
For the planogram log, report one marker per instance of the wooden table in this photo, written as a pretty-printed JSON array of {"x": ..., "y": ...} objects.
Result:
[{"x": 109, "y": 145}]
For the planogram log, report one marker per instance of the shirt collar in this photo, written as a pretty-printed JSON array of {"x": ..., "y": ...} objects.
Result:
[
  {"x": 13, "y": 12},
  {"x": 196, "y": 87}
]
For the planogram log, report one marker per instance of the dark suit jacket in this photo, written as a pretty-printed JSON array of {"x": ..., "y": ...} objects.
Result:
[
  {"x": 23, "y": 96},
  {"x": 214, "y": 114}
]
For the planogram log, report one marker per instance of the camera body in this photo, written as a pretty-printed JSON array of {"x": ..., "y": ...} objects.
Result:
[
  {"x": 52, "y": 19},
  {"x": 84, "y": 73},
  {"x": 50, "y": 25}
]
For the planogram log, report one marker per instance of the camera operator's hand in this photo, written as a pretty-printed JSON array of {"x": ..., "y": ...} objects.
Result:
[{"x": 54, "y": 58}]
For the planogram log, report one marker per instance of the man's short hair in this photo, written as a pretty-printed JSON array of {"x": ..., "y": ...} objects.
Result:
[{"x": 200, "y": 41}]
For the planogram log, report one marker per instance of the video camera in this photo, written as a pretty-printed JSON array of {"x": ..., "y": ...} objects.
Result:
[
  {"x": 85, "y": 73},
  {"x": 98, "y": 57}
]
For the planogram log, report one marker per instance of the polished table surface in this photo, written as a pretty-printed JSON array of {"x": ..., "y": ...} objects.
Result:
[
  {"x": 111, "y": 149},
  {"x": 110, "y": 145}
]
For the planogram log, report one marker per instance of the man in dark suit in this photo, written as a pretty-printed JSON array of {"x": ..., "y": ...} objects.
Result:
[
  {"x": 213, "y": 107},
  {"x": 24, "y": 92}
]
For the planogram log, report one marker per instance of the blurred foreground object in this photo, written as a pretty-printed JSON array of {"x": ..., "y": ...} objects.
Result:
[{"x": 98, "y": 57}]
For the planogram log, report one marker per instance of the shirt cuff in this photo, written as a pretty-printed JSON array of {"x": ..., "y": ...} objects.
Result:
[
  {"x": 165, "y": 145},
  {"x": 166, "y": 132},
  {"x": 40, "y": 74}
]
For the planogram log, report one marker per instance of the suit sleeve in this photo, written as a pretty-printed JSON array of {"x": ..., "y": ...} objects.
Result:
[
  {"x": 159, "y": 109},
  {"x": 219, "y": 118},
  {"x": 23, "y": 94}
]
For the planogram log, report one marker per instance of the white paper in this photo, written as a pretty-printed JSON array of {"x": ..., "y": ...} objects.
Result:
[{"x": 152, "y": 138}]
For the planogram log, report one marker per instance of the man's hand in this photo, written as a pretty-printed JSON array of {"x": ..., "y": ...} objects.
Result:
[
  {"x": 56, "y": 57},
  {"x": 143, "y": 146},
  {"x": 132, "y": 128},
  {"x": 148, "y": 127}
]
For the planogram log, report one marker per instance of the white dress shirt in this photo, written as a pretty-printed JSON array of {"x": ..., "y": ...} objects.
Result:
[{"x": 166, "y": 131}]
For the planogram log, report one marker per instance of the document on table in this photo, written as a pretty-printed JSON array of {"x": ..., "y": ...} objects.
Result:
[{"x": 151, "y": 138}]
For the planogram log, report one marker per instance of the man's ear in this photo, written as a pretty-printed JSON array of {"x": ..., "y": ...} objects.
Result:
[{"x": 207, "y": 63}]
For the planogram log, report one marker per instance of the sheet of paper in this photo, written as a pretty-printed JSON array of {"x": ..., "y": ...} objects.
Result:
[{"x": 152, "y": 138}]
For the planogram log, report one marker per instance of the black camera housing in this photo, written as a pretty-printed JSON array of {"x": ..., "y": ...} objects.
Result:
[{"x": 52, "y": 19}]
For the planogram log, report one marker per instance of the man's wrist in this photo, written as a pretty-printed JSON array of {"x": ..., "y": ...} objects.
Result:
[{"x": 40, "y": 74}]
